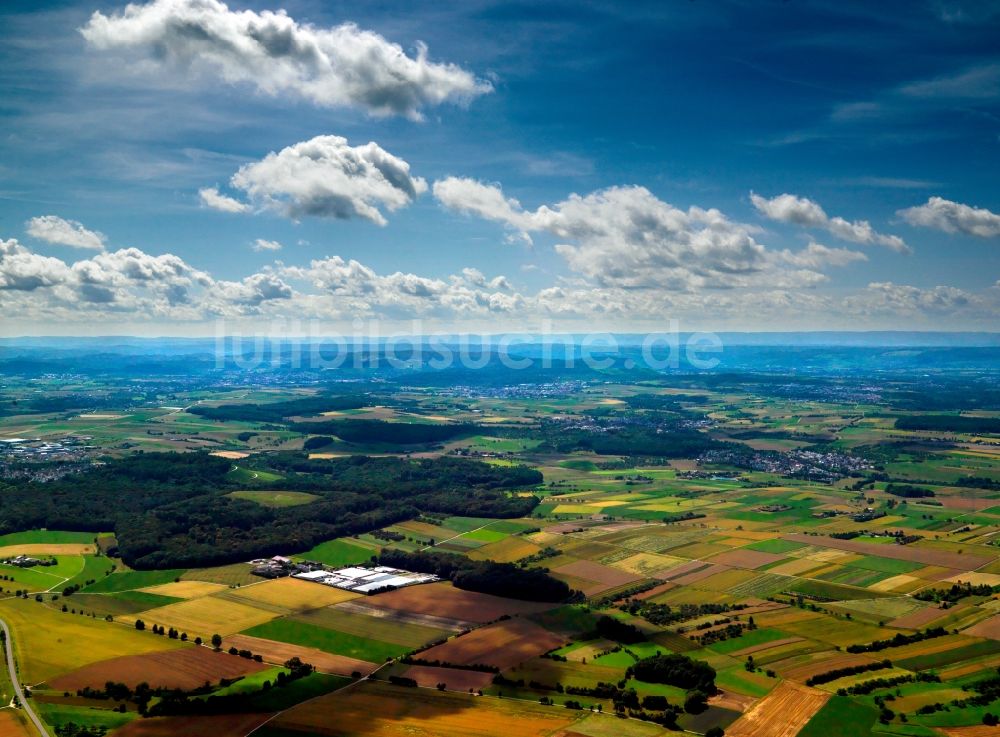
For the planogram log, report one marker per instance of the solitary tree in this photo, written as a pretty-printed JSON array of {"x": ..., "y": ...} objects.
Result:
[
  {"x": 217, "y": 641},
  {"x": 139, "y": 624}
]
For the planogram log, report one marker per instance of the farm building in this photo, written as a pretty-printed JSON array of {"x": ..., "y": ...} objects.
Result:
[{"x": 367, "y": 580}]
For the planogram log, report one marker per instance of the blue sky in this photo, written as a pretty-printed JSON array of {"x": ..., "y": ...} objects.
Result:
[{"x": 732, "y": 165}]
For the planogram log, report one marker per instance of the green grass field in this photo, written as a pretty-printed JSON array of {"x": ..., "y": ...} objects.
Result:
[
  {"x": 58, "y": 716},
  {"x": 775, "y": 546},
  {"x": 94, "y": 568},
  {"x": 851, "y": 719},
  {"x": 748, "y": 639},
  {"x": 338, "y": 553},
  {"x": 332, "y": 641},
  {"x": 128, "y": 580},
  {"x": 51, "y": 537},
  {"x": 275, "y": 499}
]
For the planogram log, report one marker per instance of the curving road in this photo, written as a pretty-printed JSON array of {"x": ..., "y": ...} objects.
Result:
[{"x": 12, "y": 669}]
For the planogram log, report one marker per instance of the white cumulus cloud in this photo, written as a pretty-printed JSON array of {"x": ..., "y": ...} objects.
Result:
[
  {"x": 54, "y": 229},
  {"x": 628, "y": 238},
  {"x": 262, "y": 244},
  {"x": 272, "y": 52},
  {"x": 953, "y": 217},
  {"x": 788, "y": 208},
  {"x": 326, "y": 177},
  {"x": 24, "y": 271},
  {"x": 211, "y": 197}
]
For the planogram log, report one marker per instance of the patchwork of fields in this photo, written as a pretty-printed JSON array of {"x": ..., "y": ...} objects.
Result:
[{"x": 835, "y": 606}]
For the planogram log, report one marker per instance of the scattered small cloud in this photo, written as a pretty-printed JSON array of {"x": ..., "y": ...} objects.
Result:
[
  {"x": 212, "y": 198},
  {"x": 980, "y": 82},
  {"x": 788, "y": 208},
  {"x": 888, "y": 183},
  {"x": 953, "y": 217},
  {"x": 54, "y": 229},
  {"x": 265, "y": 245}
]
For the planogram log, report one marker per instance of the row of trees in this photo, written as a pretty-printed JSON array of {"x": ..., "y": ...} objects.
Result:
[{"x": 484, "y": 576}]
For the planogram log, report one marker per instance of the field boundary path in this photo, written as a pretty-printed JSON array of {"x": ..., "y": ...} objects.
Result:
[{"x": 16, "y": 682}]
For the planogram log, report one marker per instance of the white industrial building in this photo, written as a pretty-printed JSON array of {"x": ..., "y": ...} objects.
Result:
[{"x": 367, "y": 580}]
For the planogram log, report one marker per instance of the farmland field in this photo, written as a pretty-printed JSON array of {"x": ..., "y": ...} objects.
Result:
[
  {"x": 777, "y": 538},
  {"x": 48, "y": 642},
  {"x": 185, "y": 668},
  {"x": 293, "y": 594},
  {"x": 443, "y": 600},
  {"x": 309, "y": 635},
  {"x": 377, "y": 710},
  {"x": 205, "y": 616},
  {"x": 782, "y": 713},
  {"x": 504, "y": 644}
]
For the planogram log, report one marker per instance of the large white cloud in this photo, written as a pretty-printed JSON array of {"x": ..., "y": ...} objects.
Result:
[
  {"x": 788, "y": 208},
  {"x": 626, "y": 237},
  {"x": 353, "y": 288},
  {"x": 817, "y": 256},
  {"x": 275, "y": 54},
  {"x": 54, "y": 229},
  {"x": 916, "y": 303},
  {"x": 125, "y": 282},
  {"x": 254, "y": 290},
  {"x": 131, "y": 285},
  {"x": 24, "y": 271},
  {"x": 325, "y": 177},
  {"x": 953, "y": 217}
]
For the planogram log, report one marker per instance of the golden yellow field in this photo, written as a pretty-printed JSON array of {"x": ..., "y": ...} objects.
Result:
[
  {"x": 975, "y": 578},
  {"x": 646, "y": 563},
  {"x": 232, "y": 455},
  {"x": 49, "y": 642},
  {"x": 186, "y": 589},
  {"x": 205, "y": 616},
  {"x": 46, "y": 549},
  {"x": 902, "y": 582},
  {"x": 782, "y": 713},
  {"x": 294, "y": 594},
  {"x": 505, "y": 551}
]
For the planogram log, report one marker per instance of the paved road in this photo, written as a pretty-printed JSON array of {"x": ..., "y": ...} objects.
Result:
[{"x": 25, "y": 703}]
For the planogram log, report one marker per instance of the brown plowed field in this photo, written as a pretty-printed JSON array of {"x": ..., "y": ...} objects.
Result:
[
  {"x": 362, "y": 607},
  {"x": 746, "y": 558},
  {"x": 700, "y": 574},
  {"x": 504, "y": 644},
  {"x": 683, "y": 569},
  {"x": 988, "y": 628},
  {"x": 922, "y": 617},
  {"x": 604, "y": 577},
  {"x": 378, "y": 710},
  {"x": 454, "y": 679},
  {"x": 227, "y": 725},
  {"x": 782, "y": 713},
  {"x": 279, "y": 652},
  {"x": 819, "y": 663},
  {"x": 444, "y": 600},
  {"x": 187, "y": 668},
  {"x": 12, "y": 725}
]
